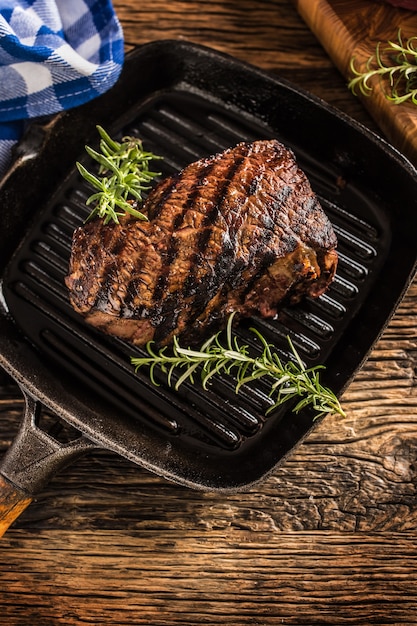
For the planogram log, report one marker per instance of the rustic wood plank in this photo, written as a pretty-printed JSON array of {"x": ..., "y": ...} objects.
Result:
[
  {"x": 197, "y": 576},
  {"x": 246, "y": 29}
]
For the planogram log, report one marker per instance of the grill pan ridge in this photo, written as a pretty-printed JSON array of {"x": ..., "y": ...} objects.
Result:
[{"x": 213, "y": 439}]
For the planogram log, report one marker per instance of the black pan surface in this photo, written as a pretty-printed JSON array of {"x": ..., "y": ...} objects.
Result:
[{"x": 186, "y": 102}]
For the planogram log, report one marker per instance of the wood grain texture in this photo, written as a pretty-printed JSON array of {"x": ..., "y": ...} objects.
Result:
[
  {"x": 13, "y": 503},
  {"x": 353, "y": 28},
  {"x": 328, "y": 538},
  {"x": 209, "y": 577}
]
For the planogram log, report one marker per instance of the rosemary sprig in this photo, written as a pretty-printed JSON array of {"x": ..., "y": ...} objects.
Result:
[
  {"x": 289, "y": 381},
  {"x": 396, "y": 63},
  {"x": 122, "y": 177}
]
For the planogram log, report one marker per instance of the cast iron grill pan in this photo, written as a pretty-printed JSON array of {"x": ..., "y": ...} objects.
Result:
[
  {"x": 180, "y": 127},
  {"x": 214, "y": 439}
]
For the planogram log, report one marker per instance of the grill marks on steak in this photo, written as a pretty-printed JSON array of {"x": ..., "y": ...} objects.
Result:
[{"x": 239, "y": 231}]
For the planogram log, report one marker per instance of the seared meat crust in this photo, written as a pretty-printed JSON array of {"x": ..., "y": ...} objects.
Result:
[{"x": 239, "y": 231}]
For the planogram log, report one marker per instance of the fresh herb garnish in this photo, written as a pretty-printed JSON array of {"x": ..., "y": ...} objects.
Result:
[
  {"x": 289, "y": 381},
  {"x": 122, "y": 177},
  {"x": 395, "y": 62}
]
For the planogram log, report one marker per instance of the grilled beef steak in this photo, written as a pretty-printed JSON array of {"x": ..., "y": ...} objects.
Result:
[{"x": 239, "y": 231}]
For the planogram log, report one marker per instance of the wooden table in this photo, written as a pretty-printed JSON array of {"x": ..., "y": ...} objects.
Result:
[{"x": 330, "y": 538}]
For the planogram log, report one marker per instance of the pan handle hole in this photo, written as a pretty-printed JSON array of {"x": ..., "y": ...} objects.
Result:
[{"x": 56, "y": 428}]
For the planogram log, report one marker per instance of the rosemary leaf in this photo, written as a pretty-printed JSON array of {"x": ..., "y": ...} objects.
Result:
[
  {"x": 395, "y": 64},
  {"x": 288, "y": 381},
  {"x": 123, "y": 175}
]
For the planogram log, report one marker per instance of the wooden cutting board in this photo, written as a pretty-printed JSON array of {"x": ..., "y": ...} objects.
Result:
[{"x": 354, "y": 27}]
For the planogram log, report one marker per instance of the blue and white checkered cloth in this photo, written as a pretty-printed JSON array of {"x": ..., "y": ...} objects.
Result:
[{"x": 54, "y": 55}]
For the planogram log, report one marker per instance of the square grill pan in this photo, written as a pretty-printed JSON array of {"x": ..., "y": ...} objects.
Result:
[{"x": 186, "y": 102}]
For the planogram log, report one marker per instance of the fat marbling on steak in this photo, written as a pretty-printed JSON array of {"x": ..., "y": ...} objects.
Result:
[{"x": 239, "y": 231}]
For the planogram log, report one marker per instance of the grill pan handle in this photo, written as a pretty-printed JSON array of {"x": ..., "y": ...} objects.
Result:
[
  {"x": 13, "y": 501},
  {"x": 31, "y": 460}
]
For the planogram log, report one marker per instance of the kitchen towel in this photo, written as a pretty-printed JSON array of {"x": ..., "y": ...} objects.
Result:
[{"x": 54, "y": 55}]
